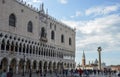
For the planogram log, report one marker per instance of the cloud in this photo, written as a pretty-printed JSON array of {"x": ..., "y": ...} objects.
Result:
[
  {"x": 94, "y": 26},
  {"x": 103, "y": 31},
  {"x": 77, "y": 14},
  {"x": 98, "y": 24},
  {"x": 63, "y": 1},
  {"x": 72, "y": 24},
  {"x": 37, "y": 1},
  {"x": 102, "y": 10}
]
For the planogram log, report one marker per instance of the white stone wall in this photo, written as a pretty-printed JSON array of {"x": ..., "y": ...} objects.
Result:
[{"x": 12, "y": 6}]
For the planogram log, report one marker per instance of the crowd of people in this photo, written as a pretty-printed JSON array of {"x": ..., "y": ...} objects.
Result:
[
  {"x": 4, "y": 73},
  {"x": 88, "y": 72},
  {"x": 61, "y": 73},
  {"x": 78, "y": 72}
]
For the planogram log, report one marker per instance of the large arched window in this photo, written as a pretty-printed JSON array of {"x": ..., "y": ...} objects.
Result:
[
  {"x": 70, "y": 41},
  {"x": 52, "y": 35},
  {"x": 62, "y": 38},
  {"x": 43, "y": 34},
  {"x": 12, "y": 20},
  {"x": 30, "y": 27}
]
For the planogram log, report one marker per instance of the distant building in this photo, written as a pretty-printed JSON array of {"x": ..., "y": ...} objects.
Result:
[
  {"x": 83, "y": 59},
  {"x": 32, "y": 39},
  {"x": 115, "y": 67},
  {"x": 92, "y": 66}
]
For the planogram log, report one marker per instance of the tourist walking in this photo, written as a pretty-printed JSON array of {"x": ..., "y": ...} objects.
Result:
[
  {"x": 10, "y": 73},
  {"x": 30, "y": 73},
  {"x": 4, "y": 74},
  {"x": 80, "y": 72},
  {"x": 40, "y": 72}
]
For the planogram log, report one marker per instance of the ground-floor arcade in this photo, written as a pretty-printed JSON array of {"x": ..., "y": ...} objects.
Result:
[{"x": 19, "y": 65}]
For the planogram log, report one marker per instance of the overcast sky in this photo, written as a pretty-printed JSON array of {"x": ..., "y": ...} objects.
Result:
[{"x": 97, "y": 23}]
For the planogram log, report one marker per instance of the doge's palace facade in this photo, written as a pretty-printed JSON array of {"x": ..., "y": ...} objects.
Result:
[{"x": 32, "y": 39}]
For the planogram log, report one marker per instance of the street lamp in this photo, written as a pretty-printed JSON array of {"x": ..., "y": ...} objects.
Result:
[{"x": 99, "y": 53}]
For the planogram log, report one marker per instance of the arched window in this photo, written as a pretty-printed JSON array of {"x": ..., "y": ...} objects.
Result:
[
  {"x": 39, "y": 51},
  {"x": 42, "y": 51},
  {"x": 27, "y": 49},
  {"x": 24, "y": 48},
  {"x": 7, "y": 45},
  {"x": 70, "y": 41},
  {"x": 12, "y": 46},
  {"x": 30, "y": 27},
  {"x": 50, "y": 25},
  {"x": 16, "y": 47},
  {"x": 12, "y": 20},
  {"x": 20, "y": 47},
  {"x": 30, "y": 49},
  {"x": 43, "y": 34},
  {"x": 3, "y": 45},
  {"x": 62, "y": 38},
  {"x": 52, "y": 35}
]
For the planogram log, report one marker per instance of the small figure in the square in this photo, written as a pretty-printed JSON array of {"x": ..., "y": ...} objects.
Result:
[{"x": 4, "y": 74}]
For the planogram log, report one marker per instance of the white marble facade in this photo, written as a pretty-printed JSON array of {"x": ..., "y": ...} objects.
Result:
[{"x": 30, "y": 38}]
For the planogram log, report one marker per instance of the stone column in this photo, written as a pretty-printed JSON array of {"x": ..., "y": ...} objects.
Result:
[
  {"x": 9, "y": 48},
  {"x": 99, "y": 53},
  {"x": 47, "y": 67},
  {"x": 37, "y": 65},
  {"x": 51, "y": 68},
  {"x": 43, "y": 66},
  {"x": 21, "y": 49},
  {"x": 24, "y": 66},
  {"x": 8, "y": 66},
  {"x": 17, "y": 66},
  {"x": 13, "y": 49},
  {"x": 31, "y": 65}
]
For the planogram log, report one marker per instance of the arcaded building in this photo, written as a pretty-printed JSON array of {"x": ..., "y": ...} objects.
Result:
[{"x": 32, "y": 39}]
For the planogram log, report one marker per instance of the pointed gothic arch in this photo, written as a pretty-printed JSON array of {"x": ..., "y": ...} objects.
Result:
[
  {"x": 62, "y": 38},
  {"x": 13, "y": 64},
  {"x": 3, "y": 45},
  {"x": 12, "y": 20},
  {"x": 52, "y": 35},
  {"x": 4, "y": 63},
  {"x": 43, "y": 34},
  {"x": 30, "y": 26}
]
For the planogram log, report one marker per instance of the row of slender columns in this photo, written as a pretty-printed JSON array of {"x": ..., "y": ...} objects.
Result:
[{"x": 25, "y": 51}]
